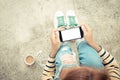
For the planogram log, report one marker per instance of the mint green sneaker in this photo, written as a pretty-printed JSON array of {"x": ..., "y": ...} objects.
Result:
[
  {"x": 59, "y": 20},
  {"x": 71, "y": 19}
]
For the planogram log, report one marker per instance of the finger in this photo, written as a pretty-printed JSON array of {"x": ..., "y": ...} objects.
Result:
[
  {"x": 59, "y": 29},
  {"x": 53, "y": 34},
  {"x": 54, "y": 31},
  {"x": 57, "y": 36},
  {"x": 87, "y": 28},
  {"x": 81, "y": 24},
  {"x": 84, "y": 29}
]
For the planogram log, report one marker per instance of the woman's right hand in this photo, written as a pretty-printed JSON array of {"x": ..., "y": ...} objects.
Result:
[{"x": 88, "y": 36}]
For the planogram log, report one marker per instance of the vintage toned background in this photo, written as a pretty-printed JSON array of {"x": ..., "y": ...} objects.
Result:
[{"x": 25, "y": 27}]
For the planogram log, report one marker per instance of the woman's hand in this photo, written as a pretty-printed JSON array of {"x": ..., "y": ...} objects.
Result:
[
  {"x": 89, "y": 37},
  {"x": 55, "y": 42},
  {"x": 88, "y": 34}
]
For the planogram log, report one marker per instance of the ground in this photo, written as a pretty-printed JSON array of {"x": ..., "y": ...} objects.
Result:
[{"x": 25, "y": 27}]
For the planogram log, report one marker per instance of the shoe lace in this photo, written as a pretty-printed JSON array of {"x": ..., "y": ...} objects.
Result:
[
  {"x": 72, "y": 21},
  {"x": 61, "y": 21}
]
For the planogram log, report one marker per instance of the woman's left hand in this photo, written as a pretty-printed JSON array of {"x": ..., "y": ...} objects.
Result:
[{"x": 55, "y": 41}]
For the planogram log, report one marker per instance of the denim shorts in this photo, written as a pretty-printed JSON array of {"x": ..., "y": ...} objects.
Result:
[{"x": 86, "y": 54}]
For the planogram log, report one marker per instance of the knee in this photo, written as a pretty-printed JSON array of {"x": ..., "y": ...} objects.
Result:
[{"x": 82, "y": 45}]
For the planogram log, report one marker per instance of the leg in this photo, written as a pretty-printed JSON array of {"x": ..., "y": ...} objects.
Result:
[
  {"x": 64, "y": 49},
  {"x": 88, "y": 56}
]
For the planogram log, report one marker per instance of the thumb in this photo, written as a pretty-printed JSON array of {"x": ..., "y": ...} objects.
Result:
[{"x": 84, "y": 30}]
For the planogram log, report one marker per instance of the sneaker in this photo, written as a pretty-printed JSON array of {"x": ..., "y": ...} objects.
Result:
[
  {"x": 59, "y": 20},
  {"x": 71, "y": 19}
]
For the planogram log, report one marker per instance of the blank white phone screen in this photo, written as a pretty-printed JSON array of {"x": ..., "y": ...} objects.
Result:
[{"x": 71, "y": 34}]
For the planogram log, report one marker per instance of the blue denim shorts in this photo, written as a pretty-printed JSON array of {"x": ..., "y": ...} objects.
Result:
[
  {"x": 64, "y": 49},
  {"x": 86, "y": 54}
]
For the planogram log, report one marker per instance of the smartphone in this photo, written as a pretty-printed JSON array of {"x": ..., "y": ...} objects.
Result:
[{"x": 70, "y": 34}]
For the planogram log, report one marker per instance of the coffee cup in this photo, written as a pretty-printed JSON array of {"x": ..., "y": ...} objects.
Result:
[{"x": 29, "y": 60}]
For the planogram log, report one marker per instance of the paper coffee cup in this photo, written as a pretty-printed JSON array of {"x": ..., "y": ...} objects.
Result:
[{"x": 29, "y": 60}]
